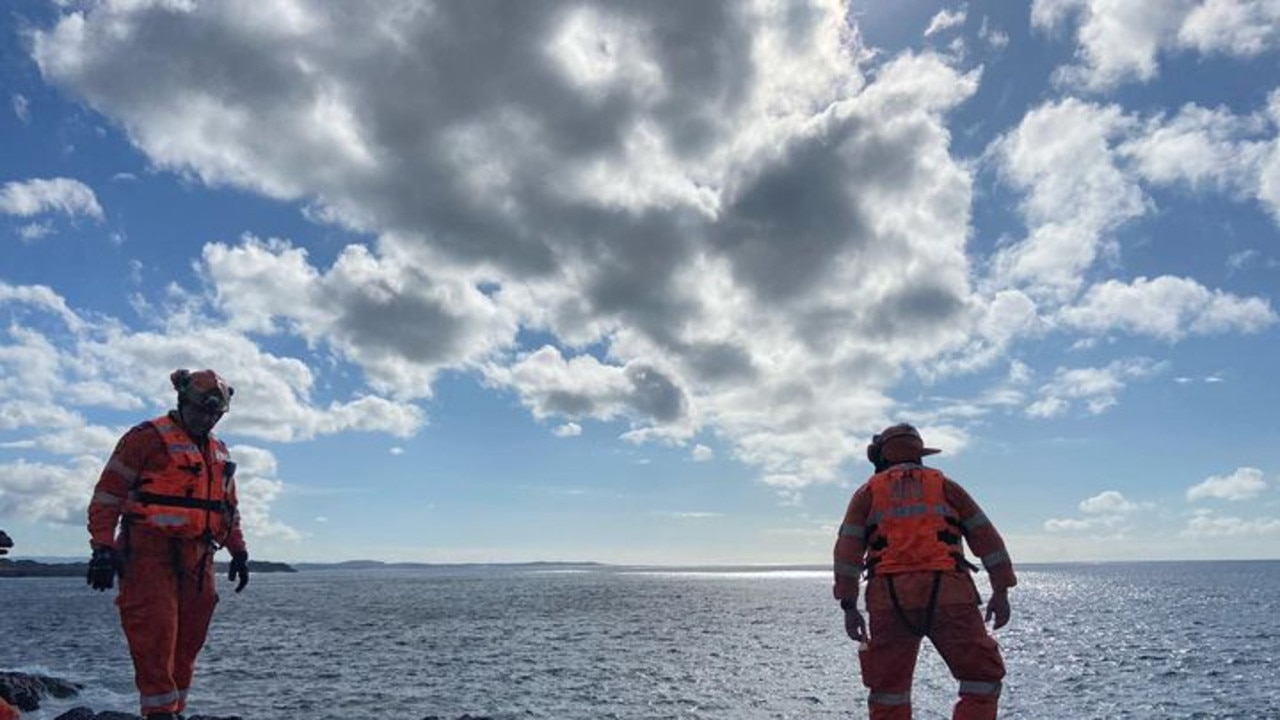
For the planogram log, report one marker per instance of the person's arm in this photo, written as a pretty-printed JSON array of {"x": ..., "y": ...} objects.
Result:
[
  {"x": 235, "y": 539},
  {"x": 851, "y": 547},
  {"x": 127, "y": 462},
  {"x": 850, "y": 554},
  {"x": 983, "y": 538}
]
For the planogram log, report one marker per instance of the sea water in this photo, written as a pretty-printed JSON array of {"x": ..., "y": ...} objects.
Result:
[{"x": 1144, "y": 640}]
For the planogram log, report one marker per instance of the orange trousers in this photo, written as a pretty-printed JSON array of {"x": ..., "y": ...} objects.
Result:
[
  {"x": 167, "y": 596},
  {"x": 958, "y": 633},
  {"x": 8, "y": 712}
]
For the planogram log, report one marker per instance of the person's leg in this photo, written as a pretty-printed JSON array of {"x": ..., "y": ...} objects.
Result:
[
  {"x": 148, "y": 604},
  {"x": 888, "y": 665},
  {"x": 974, "y": 658},
  {"x": 195, "y": 611}
]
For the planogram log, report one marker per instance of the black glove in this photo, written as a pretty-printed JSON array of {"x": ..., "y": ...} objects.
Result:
[
  {"x": 5, "y": 543},
  {"x": 239, "y": 569},
  {"x": 103, "y": 567}
]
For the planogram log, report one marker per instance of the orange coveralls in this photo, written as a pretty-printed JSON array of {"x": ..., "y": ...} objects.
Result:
[
  {"x": 167, "y": 593},
  {"x": 957, "y": 630}
]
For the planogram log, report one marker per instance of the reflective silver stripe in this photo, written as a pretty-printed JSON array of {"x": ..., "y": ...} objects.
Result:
[
  {"x": 999, "y": 557},
  {"x": 853, "y": 570},
  {"x": 153, "y": 701},
  {"x": 975, "y": 522},
  {"x": 118, "y": 466},
  {"x": 182, "y": 695},
  {"x": 101, "y": 497},
  {"x": 882, "y": 698},
  {"x": 169, "y": 520},
  {"x": 978, "y": 687},
  {"x": 853, "y": 531}
]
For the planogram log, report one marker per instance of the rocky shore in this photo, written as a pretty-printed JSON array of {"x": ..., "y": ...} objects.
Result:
[{"x": 25, "y": 691}]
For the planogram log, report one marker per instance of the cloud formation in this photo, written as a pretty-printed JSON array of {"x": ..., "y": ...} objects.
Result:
[
  {"x": 1245, "y": 483},
  {"x": 761, "y": 236},
  {"x": 1123, "y": 42},
  {"x": 34, "y": 197}
]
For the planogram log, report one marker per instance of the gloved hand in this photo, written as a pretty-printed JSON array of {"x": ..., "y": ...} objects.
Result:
[
  {"x": 854, "y": 626},
  {"x": 239, "y": 569},
  {"x": 103, "y": 567},
  {"x": 998, "y": 608},
  {"x": 5, "y": 543}
]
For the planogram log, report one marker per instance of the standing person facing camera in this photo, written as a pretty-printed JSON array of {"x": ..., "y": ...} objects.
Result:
[
  {"x": 170, "y": 488},
  {"x": 903, "y": 528},
  {"x": 7, "y": 711}
]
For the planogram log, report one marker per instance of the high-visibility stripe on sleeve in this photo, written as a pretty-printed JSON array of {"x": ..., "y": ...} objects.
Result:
[
  {"x": 975, "y": 521},
  {"x": 119, "y": 467},
  {"x": 853, "y": 531},
  {"x": 999, "y": 557},
  {"x": 886, "y": 698},
  {"x": 852, "y": 570},
  {"x": 102, "y": 497},
  {"x": 979, "y": 687}
]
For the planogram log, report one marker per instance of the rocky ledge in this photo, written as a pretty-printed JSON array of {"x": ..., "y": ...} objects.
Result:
[{"x": 25, "y": 691}]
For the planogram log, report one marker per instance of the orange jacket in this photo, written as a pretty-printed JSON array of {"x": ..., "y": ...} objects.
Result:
[
  {"x": 853, "y": 551},
  {"x": 159, "y": 478},
  {"x": 911, "y": 526}
]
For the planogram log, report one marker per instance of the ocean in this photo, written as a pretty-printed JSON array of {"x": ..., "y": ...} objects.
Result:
[{"x": 1124, "y": 640}]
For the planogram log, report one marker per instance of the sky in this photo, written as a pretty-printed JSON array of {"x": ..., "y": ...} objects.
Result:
[{"x": 636, "y": 282}]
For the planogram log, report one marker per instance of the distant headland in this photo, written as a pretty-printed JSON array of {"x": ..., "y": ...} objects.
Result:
[{"x": 31, "y": 568}]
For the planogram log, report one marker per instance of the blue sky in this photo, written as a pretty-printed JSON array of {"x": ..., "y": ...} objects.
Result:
[{"x": 635, "y": 283}]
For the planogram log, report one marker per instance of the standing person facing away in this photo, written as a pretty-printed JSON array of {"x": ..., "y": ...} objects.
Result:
[
  {"x": 904, "y": 527},
  {"x": 170, "y": 488}
]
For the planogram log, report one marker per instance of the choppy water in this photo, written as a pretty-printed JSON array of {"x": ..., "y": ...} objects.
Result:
[{"x": 1156, "y": 640}]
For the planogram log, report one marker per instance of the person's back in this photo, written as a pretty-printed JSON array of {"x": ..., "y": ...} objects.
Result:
[{"x": 904, "y": 529}]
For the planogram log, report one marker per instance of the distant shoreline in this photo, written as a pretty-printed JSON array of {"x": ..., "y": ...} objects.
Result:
[{"x": 35, "y": 568}]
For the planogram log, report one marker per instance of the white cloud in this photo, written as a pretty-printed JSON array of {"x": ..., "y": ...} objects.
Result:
[
  {"x": 567, "y": 430},
  {"x": 1166, "y": 307},
  {"x": 21, "y": 108},
  {"x": 1121, "y": 41},
  {"x": 34, "y": 197},
  {"x": 257, "y": 487},
  {"x": 1107, "y": 510},
  {"x": 1108, "y": 502},
  {"x": 1245, "y": 483},
  {"x": 945, "y": 19},
  {"x": 38, "y": 491},
  {"x": 1208, "y": 525},
  {"x": 1096, "y": 387},
  {"x": 702, "y": 453},
  {"x": 396, "y": 450},
  {"x": 1060, "y": 156},
  {"x": 996, "y": 38}
]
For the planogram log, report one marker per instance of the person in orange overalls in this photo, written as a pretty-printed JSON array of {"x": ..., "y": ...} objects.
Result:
[
  {"x": 7, "y": 711},
  {"x": 903, "y": 528},
  {"x": 170, "y": 486}
]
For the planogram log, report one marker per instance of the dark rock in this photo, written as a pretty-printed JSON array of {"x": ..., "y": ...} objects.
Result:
[
  {"x": 25, "y": 691},
  {"x": 113, "y": 715},
  {"x": 76, "y": 713}
]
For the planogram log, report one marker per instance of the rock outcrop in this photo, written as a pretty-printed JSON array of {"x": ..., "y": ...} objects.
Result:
[{"x": 25, "y": 691}]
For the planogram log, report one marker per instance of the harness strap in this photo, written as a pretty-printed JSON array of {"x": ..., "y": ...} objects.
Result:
[
  {"x": 929, "y": 613},
  {"x": 182, "y": 502}
]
